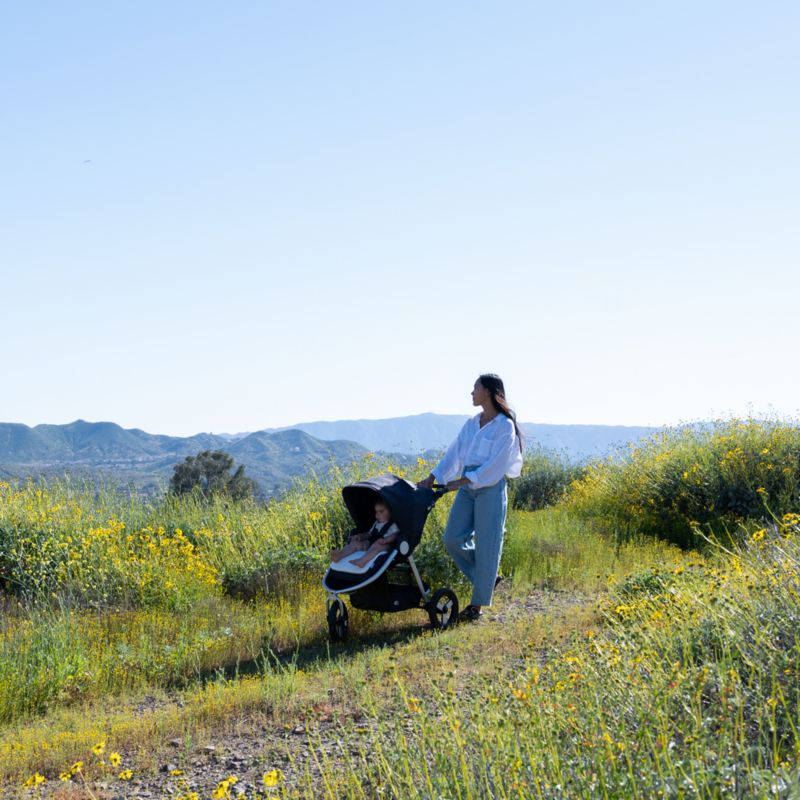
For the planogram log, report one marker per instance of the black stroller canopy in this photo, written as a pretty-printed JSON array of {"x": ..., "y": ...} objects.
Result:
[{"x": 408, "y": 504}]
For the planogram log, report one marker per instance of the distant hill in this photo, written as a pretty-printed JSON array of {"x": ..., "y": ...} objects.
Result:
[
  {"x": 273, "y": 457},
  {"x": 433, "y": 432},
  {"x": 410, "y": 435},
  {"x": 146, "y": 460}
]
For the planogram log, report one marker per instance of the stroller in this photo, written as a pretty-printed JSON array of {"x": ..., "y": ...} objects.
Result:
[{"x": 391, "y": 581}]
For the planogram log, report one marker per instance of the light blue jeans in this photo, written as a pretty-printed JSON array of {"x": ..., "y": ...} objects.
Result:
[{"x": 474, "y": 536}]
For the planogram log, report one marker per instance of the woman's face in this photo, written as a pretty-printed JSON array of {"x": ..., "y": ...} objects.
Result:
[
  {"x": 479, "y": 394},
  {"x": 381, "y": 514}
]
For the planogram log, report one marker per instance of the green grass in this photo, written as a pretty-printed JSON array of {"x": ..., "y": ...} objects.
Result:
[
  {"x": 361, "y": 675},
  {"x": 107, "y": 594},
  {"x": 619, "y": 665},
  {"x": 688, "y": 687}
]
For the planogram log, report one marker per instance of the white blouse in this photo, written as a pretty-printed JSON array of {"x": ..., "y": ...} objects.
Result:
[{"x": 491, "y": 452}]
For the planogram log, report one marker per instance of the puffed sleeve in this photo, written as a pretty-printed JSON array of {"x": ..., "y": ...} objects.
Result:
[{"x": 449, "y": 468}]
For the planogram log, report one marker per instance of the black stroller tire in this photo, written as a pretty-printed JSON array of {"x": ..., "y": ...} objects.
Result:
[
  {"x": 443, "y": 608},
  {"x": 337, "y": 621}
]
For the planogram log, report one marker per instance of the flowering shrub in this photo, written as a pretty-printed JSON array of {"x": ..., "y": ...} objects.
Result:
[
  {"x": 56, "y": 547},
  {"x": 546, "y": 476},
  {"x": 716, "y": 475}
]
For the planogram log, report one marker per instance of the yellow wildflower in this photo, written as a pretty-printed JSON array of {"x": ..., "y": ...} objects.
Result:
[
  {"x": 759, "y": 534},
  {"x": 125, "y": 775},
  {"x": 115, "y": 759},
  {"x": 99, "y": 748},
  {"x": 222, "y": 791},
  {"x": 272, "y": 778}
]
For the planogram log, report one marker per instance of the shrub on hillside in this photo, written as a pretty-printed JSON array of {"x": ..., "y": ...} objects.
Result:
[
  {"x": 209, "y": 473},
  {"x": 546, "y": 476},
  {"x": 713, "y": 476}
]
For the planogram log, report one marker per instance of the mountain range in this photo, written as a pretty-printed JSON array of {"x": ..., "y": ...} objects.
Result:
[
  {"x": 145, "y": 460},
  {"x": 273, "y": 457},
  {"x": 433, "y": 432}
]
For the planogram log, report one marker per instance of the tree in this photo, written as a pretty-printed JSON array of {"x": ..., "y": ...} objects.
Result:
[{"x": 210, "y": 473}]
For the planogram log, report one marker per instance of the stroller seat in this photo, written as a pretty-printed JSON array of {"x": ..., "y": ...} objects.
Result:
[
  {"x": 391, "y": 580},
  {"x": 345, "y": 576},
  {"x": 347, "y": 565}
]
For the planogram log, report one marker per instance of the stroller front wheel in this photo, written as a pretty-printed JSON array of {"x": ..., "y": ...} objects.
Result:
[
  {"x": 443, "y": 608},
  {"x": 337, "y": 621}
]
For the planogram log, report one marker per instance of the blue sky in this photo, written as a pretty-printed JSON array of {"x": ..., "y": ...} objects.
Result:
[{"x": 226, "y": 217}]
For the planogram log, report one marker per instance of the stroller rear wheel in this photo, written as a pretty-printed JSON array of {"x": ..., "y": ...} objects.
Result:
[
  {"x": 337, "y": 621},
  {"x": 443, "y": 608}
]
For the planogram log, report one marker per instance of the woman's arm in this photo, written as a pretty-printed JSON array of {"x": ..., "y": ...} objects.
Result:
[{"x": 452, "y": 462}]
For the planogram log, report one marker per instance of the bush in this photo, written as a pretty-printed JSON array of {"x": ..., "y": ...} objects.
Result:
[
  {"x": 546, "y": 476},
  {"x": 714, "y": 476}
]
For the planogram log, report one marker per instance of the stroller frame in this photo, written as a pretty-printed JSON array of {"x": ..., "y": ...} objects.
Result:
[{"x": 410, "y": 506}]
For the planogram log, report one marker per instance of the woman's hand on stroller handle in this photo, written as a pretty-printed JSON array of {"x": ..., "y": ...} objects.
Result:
[
  {"x": 428, "y": 483},
  {"x": 441, "y": 488}
]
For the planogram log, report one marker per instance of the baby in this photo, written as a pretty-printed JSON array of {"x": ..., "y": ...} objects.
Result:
[{"x": 375, "y": 540}]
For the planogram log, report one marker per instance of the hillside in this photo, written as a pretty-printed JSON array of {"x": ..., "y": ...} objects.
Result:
[
  {"x": 146, "y": 460},
  {"x": 186, "y": 650},
  {"x": 273, "y": 457}
]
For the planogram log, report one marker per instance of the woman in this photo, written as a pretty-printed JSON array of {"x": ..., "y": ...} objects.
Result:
[{"x": 487, "y": 450}]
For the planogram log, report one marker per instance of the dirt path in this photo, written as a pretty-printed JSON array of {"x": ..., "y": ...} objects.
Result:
[{"x": 252, "y": 745}]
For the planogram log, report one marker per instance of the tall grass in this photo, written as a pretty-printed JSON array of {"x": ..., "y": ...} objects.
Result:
[
  {"x": 687, "y": 688},
  {"x": 182, "y": 654},
  {"x": 714, "y": 475},
  {"x": 106, "y": 594},
  {"x": 88, "y": 549},
  {"x": 684, "y": 685},
  {"x": 551, "y": 549}
]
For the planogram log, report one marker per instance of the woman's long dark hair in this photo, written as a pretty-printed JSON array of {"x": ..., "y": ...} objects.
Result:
[{"x": 494, "y": 385}]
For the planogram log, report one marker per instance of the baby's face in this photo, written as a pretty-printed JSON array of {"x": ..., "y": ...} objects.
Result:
[{"x": 382, "y": 515}]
